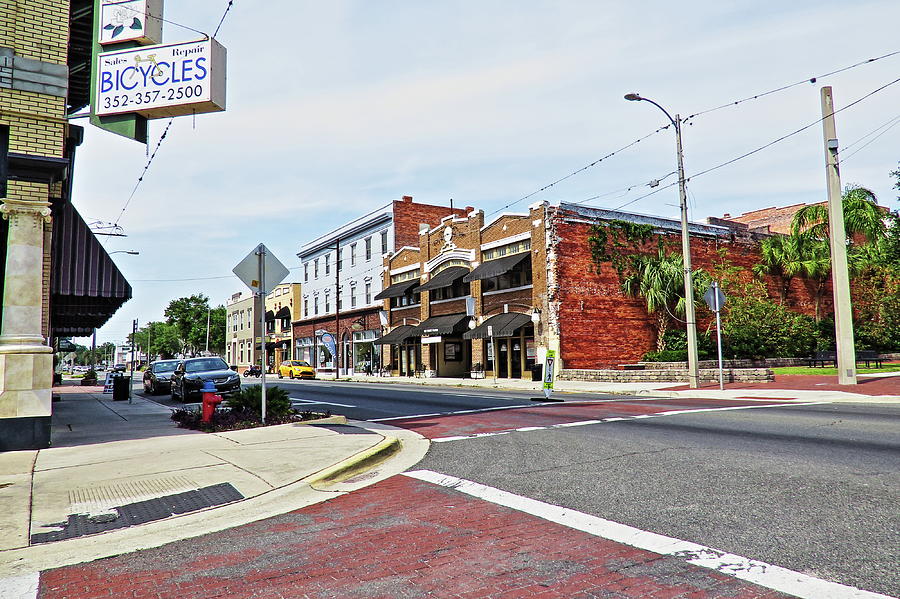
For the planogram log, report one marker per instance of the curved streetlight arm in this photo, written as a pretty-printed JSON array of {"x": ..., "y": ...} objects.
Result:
[{"x": 639, "y": 98}]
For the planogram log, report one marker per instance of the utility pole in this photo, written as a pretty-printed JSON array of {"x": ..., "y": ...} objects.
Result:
[
  {"x": 840, "y": 277},
  {"x": 134, "y": 326},
  {"x": 338, "y": 342}
]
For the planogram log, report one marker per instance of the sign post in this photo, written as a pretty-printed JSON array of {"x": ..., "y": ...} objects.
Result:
[
  {"x": 261, "y": 271},
  {"x": 715, "y": 299},
  {"x": 549, "y": 367}
]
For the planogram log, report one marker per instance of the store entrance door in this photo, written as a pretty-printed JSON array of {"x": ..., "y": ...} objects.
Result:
[
  {"x": 503, "y": 358},
  {"x": 515, "y": 359}
]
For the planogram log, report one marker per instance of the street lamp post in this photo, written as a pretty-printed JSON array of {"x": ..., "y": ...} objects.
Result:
[{"x": 689, "y": 315}]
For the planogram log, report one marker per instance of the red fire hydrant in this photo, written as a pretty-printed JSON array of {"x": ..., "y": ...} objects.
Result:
[{"x": 210, "y": 400}]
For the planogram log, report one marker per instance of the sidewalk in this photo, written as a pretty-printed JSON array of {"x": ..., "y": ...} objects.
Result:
[{"x": 125, "y": 470}]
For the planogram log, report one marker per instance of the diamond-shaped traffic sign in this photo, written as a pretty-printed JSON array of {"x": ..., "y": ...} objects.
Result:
[{"x": 261, "y": 270}]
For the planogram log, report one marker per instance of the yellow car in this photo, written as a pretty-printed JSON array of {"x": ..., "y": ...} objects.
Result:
[{"x": 296, "y": 369}]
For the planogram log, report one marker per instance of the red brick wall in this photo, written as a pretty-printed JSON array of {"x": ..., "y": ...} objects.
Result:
[
  {"x": 408, "y": 215},
  {"x": 601, "y": 328}
]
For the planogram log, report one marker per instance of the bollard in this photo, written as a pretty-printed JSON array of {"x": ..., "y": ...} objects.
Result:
[{"x": 210, "y": 400}]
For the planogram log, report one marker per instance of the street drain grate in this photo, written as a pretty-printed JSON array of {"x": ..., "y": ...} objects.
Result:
[{"x": 141, "y": 512}]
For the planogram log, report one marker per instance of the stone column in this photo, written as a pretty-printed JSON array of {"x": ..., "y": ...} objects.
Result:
[{"x": 26, "y": 363}]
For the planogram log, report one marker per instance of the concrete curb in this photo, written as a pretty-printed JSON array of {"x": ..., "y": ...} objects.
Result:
[{"x": 355, "y": 464}]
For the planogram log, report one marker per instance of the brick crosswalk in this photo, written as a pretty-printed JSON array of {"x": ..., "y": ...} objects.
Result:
[{"x": 401, "y": 538}]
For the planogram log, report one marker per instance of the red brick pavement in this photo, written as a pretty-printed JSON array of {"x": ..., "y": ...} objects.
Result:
[
  {"x": 434, "y": 427},
  {"x": 401, "y": 538},
  {"x": 886, "y": 385}
]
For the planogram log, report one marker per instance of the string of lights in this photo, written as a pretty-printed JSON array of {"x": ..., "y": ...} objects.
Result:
[
  {"x": 886, "y": 127},
  {"x": 791, "y": 85},
  {"x": 222, "y": 20},
  {"x": 791, "y": 134},
  {"x": 581, "y": 170},
  {"x": 144, "y": 172}
]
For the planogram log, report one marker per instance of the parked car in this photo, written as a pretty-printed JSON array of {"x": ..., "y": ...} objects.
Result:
[
  {"x": 190, "y": 374},
  {"x": 119, "y": 368},
  {"x": 296, "y": 369},
  {"x": 158, "y": 378}
]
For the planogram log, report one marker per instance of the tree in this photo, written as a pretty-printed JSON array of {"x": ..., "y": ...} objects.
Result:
[
  {"x": 862, "y": 217},
  {"x": 158, "y": 339},
  {"x": 781, "y": 257},
  {"x": 188, "y": 316},
  {"x": 659, "y": 279}
]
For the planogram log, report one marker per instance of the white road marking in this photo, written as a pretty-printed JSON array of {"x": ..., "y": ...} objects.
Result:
[
  {"x": 457, "y": 412},
  {"x": 525, "y": 429},
  {"x": 754, "y": 571},
  {"x": 305, "y": 402},
  {"x": 24, "y": 586}
]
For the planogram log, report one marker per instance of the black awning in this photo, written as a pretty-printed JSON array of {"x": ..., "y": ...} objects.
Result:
[
  {"x": 445, "y": 278},
  {"x": 502, "y": 325},
  {"x": 270, "y": 316},
  {"x": 285, "y": 312},
  {"x": 495, "y": 268},
  {"x": 86, "y": 287},
  {"x": 397, "y": 289},
  {"x": 442, "y": 325},
  {"x": 396, "y": 336}
]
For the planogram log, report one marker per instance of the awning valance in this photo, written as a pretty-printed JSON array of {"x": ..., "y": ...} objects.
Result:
[
  {"x": 285, "y": 312},
  {"x": 502, "y": 325},
  {"x": 495, "y": 268},
  {"x": 397, "y": 289},
  {"x": 441, "y": 325},
  {"x": 445, "y": 278},
  {"x": 396, "y": 336}
]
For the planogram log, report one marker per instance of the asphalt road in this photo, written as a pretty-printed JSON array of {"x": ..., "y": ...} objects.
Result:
[
  {"x": 380, "y": 401},
  {"x": 813, "y": 488}
]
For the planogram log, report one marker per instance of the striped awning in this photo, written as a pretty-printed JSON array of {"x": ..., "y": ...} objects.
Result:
[
  {"x": 502, "y": 325},
  {"x": 396, "y": 336},
  {"x": 86, "y": 287},
  {"x": 445, "y": 278},
  {"x": 495, "y": 268}
]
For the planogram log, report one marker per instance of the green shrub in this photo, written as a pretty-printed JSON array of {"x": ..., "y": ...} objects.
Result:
[
  {"x": 667, "y": 355},
  {"x": 760, "y": 328},
  {"x": 278, "y": 403}
]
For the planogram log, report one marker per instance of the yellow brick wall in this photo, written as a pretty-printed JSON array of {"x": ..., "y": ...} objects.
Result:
[
  {"x": 35, "y": 121},
  {"x": 36, "y": 29}
]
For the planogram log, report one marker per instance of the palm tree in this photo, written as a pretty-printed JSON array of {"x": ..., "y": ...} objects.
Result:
[
  {"x": 780, "y": 256},
  {"x": 659, "y": 279},
  {"x": 815, "y": 266},
  {"x": 862, "y": 216}
]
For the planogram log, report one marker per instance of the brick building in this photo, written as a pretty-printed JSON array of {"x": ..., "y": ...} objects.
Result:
[
  {"x": 57, "y": 279},
  {"x": 526, "y": 283},
  {"x": 342, "y": 278}
]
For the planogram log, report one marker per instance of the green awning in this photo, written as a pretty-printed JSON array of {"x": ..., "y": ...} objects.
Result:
[
  {"x": 502, "y": 325},
  {"x": 495, "y": 268},
  {"x": 445, "y": 278}
]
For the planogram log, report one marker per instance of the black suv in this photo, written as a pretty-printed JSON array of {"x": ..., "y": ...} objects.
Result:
[
  {"x": 158, "y": 377},
  {"x": 190, "y": 374}
]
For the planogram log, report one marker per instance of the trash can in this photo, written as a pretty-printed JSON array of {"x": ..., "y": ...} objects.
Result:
[
  {"x": 120, "y": 387},
  {"x": 537, "y": 372}
]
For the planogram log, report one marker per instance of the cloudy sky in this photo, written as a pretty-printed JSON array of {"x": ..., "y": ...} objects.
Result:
[{"x": 335, "y": 108}]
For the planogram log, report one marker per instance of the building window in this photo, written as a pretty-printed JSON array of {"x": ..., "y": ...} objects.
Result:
[
  {"x": 316, "y": 268},
  {"x": 405, "y": 276},
  {"x": 316, "y": 305},
  {"x": 368, "y": 293},
  {"x": 249, "y": 318},
  {"x": 368, "y": 248},
  {"x": 327, "y": 263},
  {"x": 410, "y": 299},
  {"x": 519, "y": 276},
  {"x": 506, "y": 250},
  {"x": 352, "y": 254},
  {"x": 306, "y": 272},
  {"x": 384, "y": 248},
  {"x": 352, "y": 296},
  {"x": 305, "y": 308},
  {"x": 327, "y": 302},
  {"x": 457, "y": 289},
  {"x": 339, "y": 262}
]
